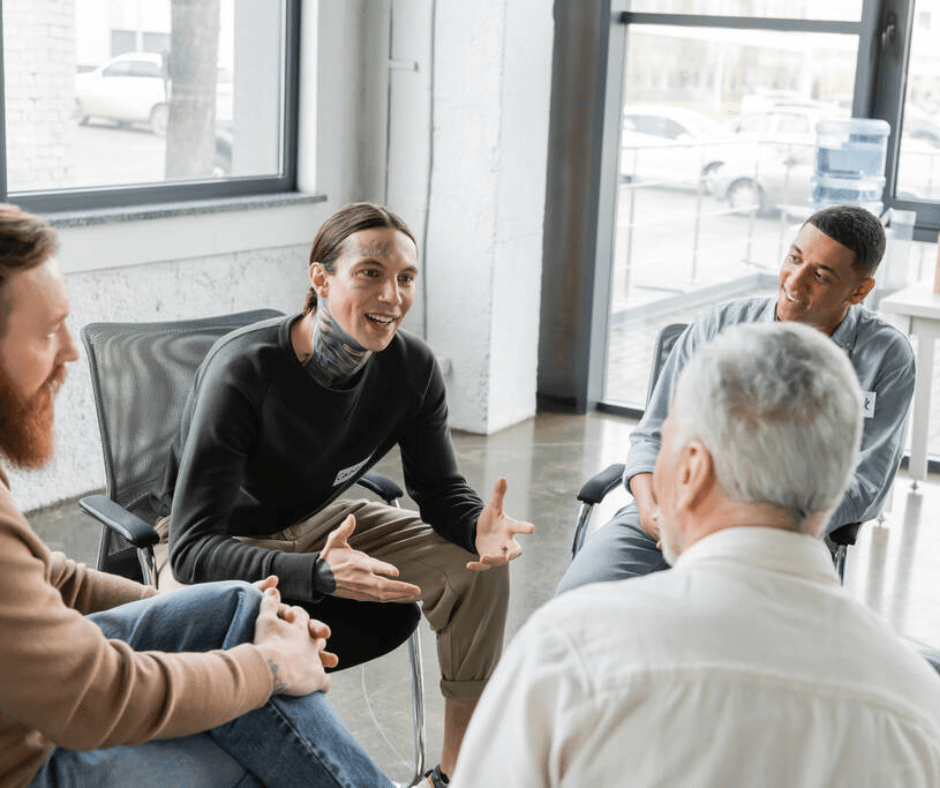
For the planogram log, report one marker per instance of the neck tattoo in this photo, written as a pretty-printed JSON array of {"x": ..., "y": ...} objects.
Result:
[{"x": 336, "y": 356}]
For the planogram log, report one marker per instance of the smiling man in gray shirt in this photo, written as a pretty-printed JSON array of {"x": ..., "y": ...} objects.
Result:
[{"x": 827, "y": 272}]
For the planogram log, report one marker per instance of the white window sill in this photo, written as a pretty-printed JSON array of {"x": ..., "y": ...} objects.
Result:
[{"x": 121, "y": 237}]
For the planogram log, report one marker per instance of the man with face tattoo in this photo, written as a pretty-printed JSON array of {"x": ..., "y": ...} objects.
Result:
[{"x": 283, "y": 418}]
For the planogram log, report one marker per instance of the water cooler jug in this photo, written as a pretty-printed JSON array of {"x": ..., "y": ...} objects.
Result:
[{"x": 850, "y": 163}]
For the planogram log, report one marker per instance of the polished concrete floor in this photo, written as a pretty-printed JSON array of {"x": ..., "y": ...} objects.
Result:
[{"x": 894, "y": 569}]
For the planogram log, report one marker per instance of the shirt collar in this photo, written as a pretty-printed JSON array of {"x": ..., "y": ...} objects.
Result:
[
  {"x": 843, "y": 336},
  {"x": 773, "y": 549},
  {"x": 769, "y": 314}
]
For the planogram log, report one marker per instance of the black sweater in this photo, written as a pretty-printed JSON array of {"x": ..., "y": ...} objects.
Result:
[{"x": 262, "y": 446}]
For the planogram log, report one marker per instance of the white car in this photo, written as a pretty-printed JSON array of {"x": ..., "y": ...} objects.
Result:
[
  {"x": 768, "y": 182},
  {"x": 130, "y": 88},
  {"x": 780, "y": 176},
  {"x": 671, "y": 146}
]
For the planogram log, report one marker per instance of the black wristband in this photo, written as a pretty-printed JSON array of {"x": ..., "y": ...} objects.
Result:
[{"x": 323, "y": 580}]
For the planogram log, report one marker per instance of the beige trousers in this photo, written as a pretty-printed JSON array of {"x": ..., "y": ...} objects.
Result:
[{"x": 466, "y": 609}]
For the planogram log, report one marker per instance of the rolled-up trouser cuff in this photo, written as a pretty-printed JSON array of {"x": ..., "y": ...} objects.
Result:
[{"x": 462, "y": 690}]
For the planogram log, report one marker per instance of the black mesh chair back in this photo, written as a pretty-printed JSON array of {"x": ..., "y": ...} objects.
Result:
[
  {"x": 141, "y": 375},
  {"x": 664, "y": 344},
  {"x": 595, "y": 489}
]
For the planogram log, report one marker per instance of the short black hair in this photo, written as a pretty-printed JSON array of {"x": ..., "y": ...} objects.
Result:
[{"x": 857, "y": 229}]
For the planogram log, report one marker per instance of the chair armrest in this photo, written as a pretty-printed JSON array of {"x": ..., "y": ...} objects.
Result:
[
  {"x": 595, "y": 488},
  {"x": 381, "y": 485},
  {"x": 845, "y": 534},
  {"x": 117, "y": 518}
]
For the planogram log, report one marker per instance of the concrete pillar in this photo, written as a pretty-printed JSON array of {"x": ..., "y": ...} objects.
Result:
[
  {"x": 39, "y": 100},
  {"x": 483, "y": 257},
  {"x": 256, "y": 120},
  {"x": 342, "y": 134},
  {"x": 576, "y": 285}
]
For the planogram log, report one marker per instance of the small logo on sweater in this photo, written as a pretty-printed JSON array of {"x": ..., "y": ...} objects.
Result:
[
  {"x": 868, "y": 400},
  {"x": 350, "y": 473}
]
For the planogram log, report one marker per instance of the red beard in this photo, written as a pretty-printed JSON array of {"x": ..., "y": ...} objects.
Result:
[{"x": 26, "y": 434}]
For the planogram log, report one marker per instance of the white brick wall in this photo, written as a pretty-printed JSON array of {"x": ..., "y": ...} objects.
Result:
[{"x": 39, "y": 60}]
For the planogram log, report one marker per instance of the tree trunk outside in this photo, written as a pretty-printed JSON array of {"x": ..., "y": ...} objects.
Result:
[{"x": 192, "y": 65}]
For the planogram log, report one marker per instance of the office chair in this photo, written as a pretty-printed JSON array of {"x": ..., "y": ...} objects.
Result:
[
  {"x": 595, "y": 489},
  {"x": 141, "y": 375}
]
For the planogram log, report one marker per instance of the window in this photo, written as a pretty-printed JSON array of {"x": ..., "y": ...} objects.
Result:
[
  {"x": 690, "y": 227},
  {"x": 117, "y": 102},
  {"x": 918, "y": 159},
  {"x": 706, "y": 216}
]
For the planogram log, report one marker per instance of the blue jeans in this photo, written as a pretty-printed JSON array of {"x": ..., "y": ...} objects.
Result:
[
  {"x": 616, "y": 551},
  {"x": 287, "y": 742}
]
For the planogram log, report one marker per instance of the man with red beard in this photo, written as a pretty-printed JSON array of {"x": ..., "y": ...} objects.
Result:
[{"x": 105, "y": 682}]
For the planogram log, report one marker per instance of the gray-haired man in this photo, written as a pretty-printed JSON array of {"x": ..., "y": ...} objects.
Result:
[{"x": 748, "y": 663}]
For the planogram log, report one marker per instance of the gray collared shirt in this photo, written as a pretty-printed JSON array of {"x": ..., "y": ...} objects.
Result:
[{"x": 883, "y": 360}]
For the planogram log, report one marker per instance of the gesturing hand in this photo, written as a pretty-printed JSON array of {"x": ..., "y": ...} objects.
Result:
[
  {"x": 496, "y": 532},
  {"x": 293, "y": 645},
  {"x": 357, "y": 576}
]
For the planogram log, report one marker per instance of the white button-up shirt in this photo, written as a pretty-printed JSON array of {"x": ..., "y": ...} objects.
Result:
[{"x": 745, "y": 666}]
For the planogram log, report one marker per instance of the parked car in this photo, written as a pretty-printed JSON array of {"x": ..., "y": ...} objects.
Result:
[
  {"x": 783, "y": 125},
  {"x": 785, "y": 183},
  {"x": 779, "y": 174},
  {"x": 769, "y": 182},
  {"x": 133, "y": 88},
  {"x": 768, "y": 99},
  {"x": 130, "y": 88},
  {"x": 784, "y": 180},
  {"x": 671, "y": 146}
]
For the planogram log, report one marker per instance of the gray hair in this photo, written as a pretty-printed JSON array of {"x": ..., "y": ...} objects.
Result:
[{"x": 778, "y": 406}]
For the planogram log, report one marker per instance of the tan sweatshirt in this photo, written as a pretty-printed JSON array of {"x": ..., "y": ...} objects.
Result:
[{"x": 63, "y": 683}]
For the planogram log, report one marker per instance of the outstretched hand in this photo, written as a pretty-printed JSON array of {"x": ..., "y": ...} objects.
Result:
[
  {"x": 496, "y": 532},
  {"x": 360, "y": 577}
]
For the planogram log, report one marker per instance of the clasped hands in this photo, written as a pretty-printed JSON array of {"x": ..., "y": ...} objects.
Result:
[
  {"x": 361, "y": 577},
  {"x": 292, "y": 643}
]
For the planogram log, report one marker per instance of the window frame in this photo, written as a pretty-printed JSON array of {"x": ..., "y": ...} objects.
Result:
[
  {"x": 880, "y": 75},
  {"x": 138, "y": 195},
  {"x": 888, "y": 103}
]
